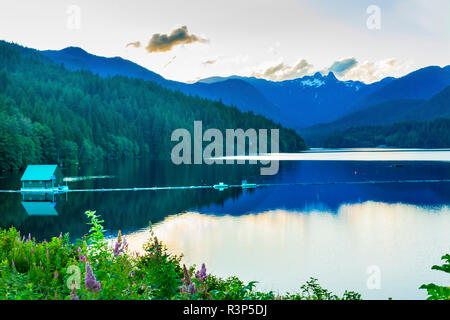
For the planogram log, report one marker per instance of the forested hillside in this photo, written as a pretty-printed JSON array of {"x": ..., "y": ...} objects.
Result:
[
  {"x": 51, "y": 115},
  {"x": 383, "y": 114},
  {"x": 431, "y": 134}
]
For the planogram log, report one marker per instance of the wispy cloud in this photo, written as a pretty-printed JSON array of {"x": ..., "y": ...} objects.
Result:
[
  {"x": 135, "y": 44},
  {"x": 282, "y": 71},
  {"x": 341, "y": 67},
  {"x": 170, "y": 61},
  {"x": 371, "y": 71},
  {"x": 208, "y": 62},
  {"x": 165, "y": 42}
]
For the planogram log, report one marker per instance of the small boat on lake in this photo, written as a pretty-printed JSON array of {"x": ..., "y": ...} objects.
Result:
[
  {"x": 246, "y": 185},
  {"x": 221, "y": 186}
]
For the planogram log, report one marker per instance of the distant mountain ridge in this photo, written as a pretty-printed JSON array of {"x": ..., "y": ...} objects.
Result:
[
  {"x": 236, "y": 92},
  {"x": 298, "y": 103}
]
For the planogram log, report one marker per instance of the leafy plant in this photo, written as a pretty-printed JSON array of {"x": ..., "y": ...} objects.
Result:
[{"x": 436, "y": 292}]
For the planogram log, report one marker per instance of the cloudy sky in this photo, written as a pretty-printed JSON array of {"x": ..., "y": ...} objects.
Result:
[{"x": 277, "y": 40}]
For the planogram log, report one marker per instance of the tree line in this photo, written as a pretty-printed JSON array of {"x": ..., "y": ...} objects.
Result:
[
  {"x": 409, "y": 134},
  {"x": 49, "y": 114}
]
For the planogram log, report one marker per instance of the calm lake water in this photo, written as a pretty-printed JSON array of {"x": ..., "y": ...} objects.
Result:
[{"x": 278, "y": 235}]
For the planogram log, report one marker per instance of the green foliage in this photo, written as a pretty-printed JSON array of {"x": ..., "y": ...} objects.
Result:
[
  {"x": 313, "y": 291},
  {"x": 52, "y": 115},
  {"x": 436, "y": 292},
  {"x": 432, "y": 134},
  {"x": 51, "y": 270},
  {"x": 31, "y": 270}
]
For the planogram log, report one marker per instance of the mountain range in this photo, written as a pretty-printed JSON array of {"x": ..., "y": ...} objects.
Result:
[{"x": 302, "y": 103}]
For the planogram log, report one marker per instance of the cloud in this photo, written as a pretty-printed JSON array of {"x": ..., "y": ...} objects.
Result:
[
  {"x": 282, "y": 71},
  {"x": 207, "y": 62},
  {"x": 163, "y": 42},
  {"x": 136, "y": 44},
  {"x": 170, "y": 61},
  {"x": 372, "y": 71},
  {"x": 344, "y": 69},
  {"x": 341, "y": 67}
]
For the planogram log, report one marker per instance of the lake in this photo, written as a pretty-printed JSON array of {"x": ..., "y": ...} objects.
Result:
[{"x": 338, "y": 229}]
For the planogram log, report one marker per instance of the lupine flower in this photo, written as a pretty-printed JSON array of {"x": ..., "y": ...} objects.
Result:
[
  {"x": 32, "y": 251},
  {"x": 187, "y": 283},
  {"x": 23, "y": 239},
  {"x": 192, "y": 288},
  {"x": 79, "y": 250},
  {"x": 55, "y": 275},
  {"x": 90, "y": 281},
  {"x": 60, "y": 236},
  {"x": 73, "y": 294},
  {"x": 82, "y": 258},
  {"x": 125, "y": 243},
  {"x": 119, "y": 237},
  {"x": 121, "y": 244},
  {"x": 201, "y": 275},
  {"x": 187, "y": 278},
  {"x": 117, "y": 250},
  {"x": 29, "y": 237}
]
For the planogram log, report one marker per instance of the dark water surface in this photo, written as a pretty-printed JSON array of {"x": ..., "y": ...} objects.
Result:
[{"x": 278, "y": 235}]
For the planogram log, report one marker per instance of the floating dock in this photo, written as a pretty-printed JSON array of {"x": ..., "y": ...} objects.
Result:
[
  {"x": 60, "y": 189},
  {"x": 221, "y": 186}
]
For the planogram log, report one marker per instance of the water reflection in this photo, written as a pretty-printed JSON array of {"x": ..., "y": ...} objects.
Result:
[
  {"x": 282, "y": 248},
  {"x": 40, "y": 204}
]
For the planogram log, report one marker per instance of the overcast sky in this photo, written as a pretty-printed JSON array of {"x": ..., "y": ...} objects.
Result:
[{"x": 284, "y": 39}]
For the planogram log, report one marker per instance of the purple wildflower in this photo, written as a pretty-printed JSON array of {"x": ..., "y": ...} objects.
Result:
[
  {"x": 73, "y": 294},
  {"x": 192, "y": 288},
  {"x": 12, "y": 264},
  {"x": 117, "y": 250},
  {"x": 187, "y": 283},
  {"x": 32, "y": 251},
  {"x": 90, "y": 281},
  {"x": 48, "y": 256},
  {"x": 201, "y": 275},
  {"x": 82, "y": 258},
  {"x": 55, "y": 275},
  {"x": 121, "y": 245},
  {"x": 79, "y": 250},
  {"x": 29, "y": 237},
  {"x": 60, "y": 236}
]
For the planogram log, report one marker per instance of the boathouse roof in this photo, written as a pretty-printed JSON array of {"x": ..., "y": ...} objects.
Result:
[{"x": 39, "y": 172}]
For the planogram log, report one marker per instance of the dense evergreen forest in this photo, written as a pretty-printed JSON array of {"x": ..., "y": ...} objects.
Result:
[
  {"x": 430, "y": 134},
  {"x": 49, "y": 114}
]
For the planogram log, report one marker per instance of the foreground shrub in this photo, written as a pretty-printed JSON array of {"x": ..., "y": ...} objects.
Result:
[{"x": 436, "y": 292}]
